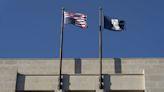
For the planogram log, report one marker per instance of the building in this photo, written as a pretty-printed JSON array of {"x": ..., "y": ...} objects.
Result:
[{"x": 82, "y": 75}]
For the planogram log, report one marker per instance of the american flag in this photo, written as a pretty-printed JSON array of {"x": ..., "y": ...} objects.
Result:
[{"x": 77, "y": 19}]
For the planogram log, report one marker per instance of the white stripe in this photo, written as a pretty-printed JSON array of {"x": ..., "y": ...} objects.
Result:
[
  {"x": 83, "y": 26},
  {"x": 81, "y": 23},
  {"x": 79, "y": 18}
]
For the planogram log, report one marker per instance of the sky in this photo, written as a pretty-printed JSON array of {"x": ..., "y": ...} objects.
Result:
[{"x": 31, "y": 29}]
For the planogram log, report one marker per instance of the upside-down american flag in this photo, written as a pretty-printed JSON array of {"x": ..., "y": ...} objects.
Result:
[{"x": 77, "y": 19}]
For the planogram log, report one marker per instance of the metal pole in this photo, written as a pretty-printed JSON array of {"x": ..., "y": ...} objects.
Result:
[
  {"x": 61, "y": 50},
  {"x": 100, "y": 46}
]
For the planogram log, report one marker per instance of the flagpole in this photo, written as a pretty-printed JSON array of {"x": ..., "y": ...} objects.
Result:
[
  {"x": 61, "y": 50},
  {"x": 100, "y": 47}
]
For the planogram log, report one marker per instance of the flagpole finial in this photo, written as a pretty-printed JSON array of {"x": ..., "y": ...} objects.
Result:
[
  {"x": 100, "y": 8},
  {"x": 62, "y": 8}
]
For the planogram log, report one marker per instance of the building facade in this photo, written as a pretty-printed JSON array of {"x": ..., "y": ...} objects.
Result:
[{"x": 82, "y": 75}]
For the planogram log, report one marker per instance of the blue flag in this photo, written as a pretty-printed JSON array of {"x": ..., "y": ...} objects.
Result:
[{"x": 113, "y": 24}]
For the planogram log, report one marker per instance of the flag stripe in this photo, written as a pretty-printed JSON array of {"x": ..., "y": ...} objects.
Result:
[{"x": 79, "y": 19}]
